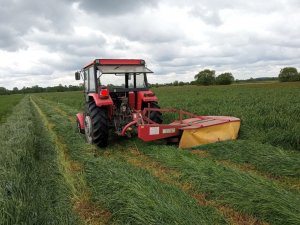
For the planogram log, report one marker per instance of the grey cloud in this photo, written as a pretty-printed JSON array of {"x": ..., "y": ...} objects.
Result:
[
  {"x": 127, "y": 19},
  {"x": 253, "y": 6},
  {"x": 68, "y": 44},
  {"x": 115, "y": 7},
  {"x": 209, "y": 16},
  {"x": 10, "y": 39},
  {"x": 71, "y": 51},
  {"x": 138, "y": 29},
  {"x": 68, "y": 63},
  {"x": 143, "y": 28},
  {"x": 120, "y": 44},
  {"x": 150, "y": 34},
  {"x": 39, "y": 70},
  {"x": 19, "y": 17}
]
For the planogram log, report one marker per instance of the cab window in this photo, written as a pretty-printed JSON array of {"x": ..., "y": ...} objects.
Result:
[
  {"x": 92, "y": 82},
  {"x": 86, "y": 85}
]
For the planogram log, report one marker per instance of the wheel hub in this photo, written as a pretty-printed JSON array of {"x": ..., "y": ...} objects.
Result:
[
  {"x": 78, "y": 127},
  {"x": 88, "y": 128}
]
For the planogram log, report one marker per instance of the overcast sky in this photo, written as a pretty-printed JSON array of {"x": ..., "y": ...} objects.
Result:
[{"x": 43, "y": 42}]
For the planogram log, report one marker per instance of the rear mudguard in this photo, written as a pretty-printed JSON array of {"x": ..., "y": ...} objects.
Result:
[
  {"x": 103, "y": 102},
  {"x": 145, "y": 96}
]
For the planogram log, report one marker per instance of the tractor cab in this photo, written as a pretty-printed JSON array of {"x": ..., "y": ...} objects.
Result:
[{"x": 116, "y": 77}]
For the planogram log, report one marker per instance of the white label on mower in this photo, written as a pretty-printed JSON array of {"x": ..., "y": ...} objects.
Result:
[
  {"x": 169, "y": 131},
  {"x": 154, "y": 130}
]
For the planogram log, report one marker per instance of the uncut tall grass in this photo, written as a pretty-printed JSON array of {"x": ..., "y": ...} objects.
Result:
[{"x": 269, "y": 113}]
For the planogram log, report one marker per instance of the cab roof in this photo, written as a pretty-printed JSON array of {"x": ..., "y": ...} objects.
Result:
[{"x": 111, "y": 62}]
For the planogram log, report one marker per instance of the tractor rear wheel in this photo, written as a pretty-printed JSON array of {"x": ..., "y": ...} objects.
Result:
[
  {"x": 155, "y": 115},
  {"x": 96, "y": 125}
]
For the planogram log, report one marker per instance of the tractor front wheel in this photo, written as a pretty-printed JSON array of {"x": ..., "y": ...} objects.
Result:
[
  {"x": 96, "y": 125},
  {"x": 155, "y": 115}
]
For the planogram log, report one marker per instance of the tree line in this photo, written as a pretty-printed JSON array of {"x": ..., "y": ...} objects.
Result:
[
  {"x": 37, "y": 89},
  {"x": 208, "y": 77},
  {"x": 204, "y": 77}
]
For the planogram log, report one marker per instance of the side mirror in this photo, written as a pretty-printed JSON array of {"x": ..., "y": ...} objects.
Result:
[{"x": 77, "y": 76}]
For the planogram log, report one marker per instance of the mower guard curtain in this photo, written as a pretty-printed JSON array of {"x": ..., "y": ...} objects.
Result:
[{"x": 222, "y": 132}]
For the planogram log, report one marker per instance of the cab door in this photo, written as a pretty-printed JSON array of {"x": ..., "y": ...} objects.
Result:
[{"x": 89, "y": 81}]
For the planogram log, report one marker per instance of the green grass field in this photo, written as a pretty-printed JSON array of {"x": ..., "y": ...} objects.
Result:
[
  {"x": 50, "y": 175},
  {"x": 7, "y": 103}
]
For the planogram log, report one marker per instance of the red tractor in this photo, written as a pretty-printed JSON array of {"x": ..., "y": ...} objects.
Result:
[
  {"x": 111, "y": 105},
  {"x": 117, "y": 97}
]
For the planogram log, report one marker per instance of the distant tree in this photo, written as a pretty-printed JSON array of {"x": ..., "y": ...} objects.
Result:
[
  {"x": 15, "y": 90},
  {"x": 288, "y": 74},
  {"x": 175, "y": 83},
  {"x": 3, "y": 91},
  {"x": 225, "y": 79},
  {"x": 205, "y": 77},
  {"x": 181, "y": 83},
  {"x": 37, "y": 89}
]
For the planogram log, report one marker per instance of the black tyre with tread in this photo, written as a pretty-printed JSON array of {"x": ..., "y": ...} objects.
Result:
[{"x": 99, "y": 118}]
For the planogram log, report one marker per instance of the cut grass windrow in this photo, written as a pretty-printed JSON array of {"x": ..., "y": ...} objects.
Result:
[
  {"x": 244, "y": 192},
  {"x": 264, "y": 157},
  {"x": 285, "y": 182},
  {"x": 281, "y": 166},
  {"x": 72, "y": 173},
  {"x": 170, "y": 176},
  {"x": 63, "y": 110},
  {"x": 7, "y": 102},
  {"x": 136, "y": 197},
  {"x": 73, "y": 99},
  {"x": 131, "y": 194},
  {"x": 32, "y": 189}
]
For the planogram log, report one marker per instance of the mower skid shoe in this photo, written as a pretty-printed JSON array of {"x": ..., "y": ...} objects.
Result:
[{"x": 80, "y": 122}]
